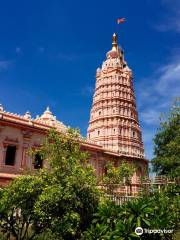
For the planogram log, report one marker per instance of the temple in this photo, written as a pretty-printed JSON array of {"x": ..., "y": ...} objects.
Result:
[
  {"x": 114, "y": 120},
  {"x": 113, "y": 133}
]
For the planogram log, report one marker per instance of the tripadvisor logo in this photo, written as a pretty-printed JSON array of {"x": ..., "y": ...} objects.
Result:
[{"x": 139, "y": 231}]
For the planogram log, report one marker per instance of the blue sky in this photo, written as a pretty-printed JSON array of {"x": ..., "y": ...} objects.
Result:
[{"x": 49, "y": 52}]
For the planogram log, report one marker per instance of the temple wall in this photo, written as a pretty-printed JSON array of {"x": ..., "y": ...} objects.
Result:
[
  {"x": 25, "y": 139},
  {"x": 10, "y": 136}
]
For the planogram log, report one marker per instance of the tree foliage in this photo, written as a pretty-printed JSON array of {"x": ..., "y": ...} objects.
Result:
[
  {"x": 120, "y": 175},
  {"x": 60, "y": 199},
  {"x": 167, "y": 144},
  {"x": 17, "y": 216},
  {"x": 155, "y": 211}
]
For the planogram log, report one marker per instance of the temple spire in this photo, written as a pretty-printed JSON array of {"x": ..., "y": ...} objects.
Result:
[
  {"x": 114, "y": 42},
  {"x": 114, "y": 119}
]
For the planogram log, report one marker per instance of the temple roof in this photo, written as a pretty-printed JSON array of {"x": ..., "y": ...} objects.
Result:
[
  {"x": 49, "y": 119},
  {"x": 44, "y": 122}
]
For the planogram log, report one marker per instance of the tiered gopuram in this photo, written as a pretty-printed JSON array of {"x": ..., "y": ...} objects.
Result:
[{"x": 114, "y": 119}]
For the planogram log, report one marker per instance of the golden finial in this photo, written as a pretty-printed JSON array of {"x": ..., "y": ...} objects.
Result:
[{"x": 114, "y": 42}]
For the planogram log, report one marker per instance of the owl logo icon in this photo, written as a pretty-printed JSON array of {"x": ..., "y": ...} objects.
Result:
[{"x": 139, "y": 231}]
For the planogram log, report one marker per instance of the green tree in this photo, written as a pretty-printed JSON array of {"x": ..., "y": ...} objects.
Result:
[
  {"x": 120, "y": 175},
  {"x": 18, "y": 219},
  {"x": 72, "y": 198},
  {"x": 60, "y": 199},
  {"x": 167, "y": 144}
]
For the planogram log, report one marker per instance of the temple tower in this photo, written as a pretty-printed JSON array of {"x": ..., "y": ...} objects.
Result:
[{"x": 114, "y": 119}]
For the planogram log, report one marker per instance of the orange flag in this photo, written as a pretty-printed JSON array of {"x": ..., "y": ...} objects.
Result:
[{"x": 120, "y": 20}]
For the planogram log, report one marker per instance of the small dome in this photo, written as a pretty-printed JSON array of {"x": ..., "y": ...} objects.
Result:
[
  {"x": 47, "y": 115},
  {"x": 112, "y": 54},
  {"x": 49, "y": 119}
]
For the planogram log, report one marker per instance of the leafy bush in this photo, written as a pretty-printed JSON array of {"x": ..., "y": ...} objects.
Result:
[{"x": 156, "y": 211}]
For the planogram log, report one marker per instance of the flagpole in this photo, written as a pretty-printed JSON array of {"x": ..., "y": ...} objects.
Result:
[
  {"x": 116, "y": 27},
  {"x": 119, "y": 21}
]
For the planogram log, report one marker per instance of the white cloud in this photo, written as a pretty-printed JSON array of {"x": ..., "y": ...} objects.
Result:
[
  {"x": 169, "y": 80},
  {"x": 155, "y": 95},
  {"x": 150, "y": 116},
  {"x": 171, "y": 17},
  {"x": 157, "y": 92},
  {"x": 170, "y": 24}
]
